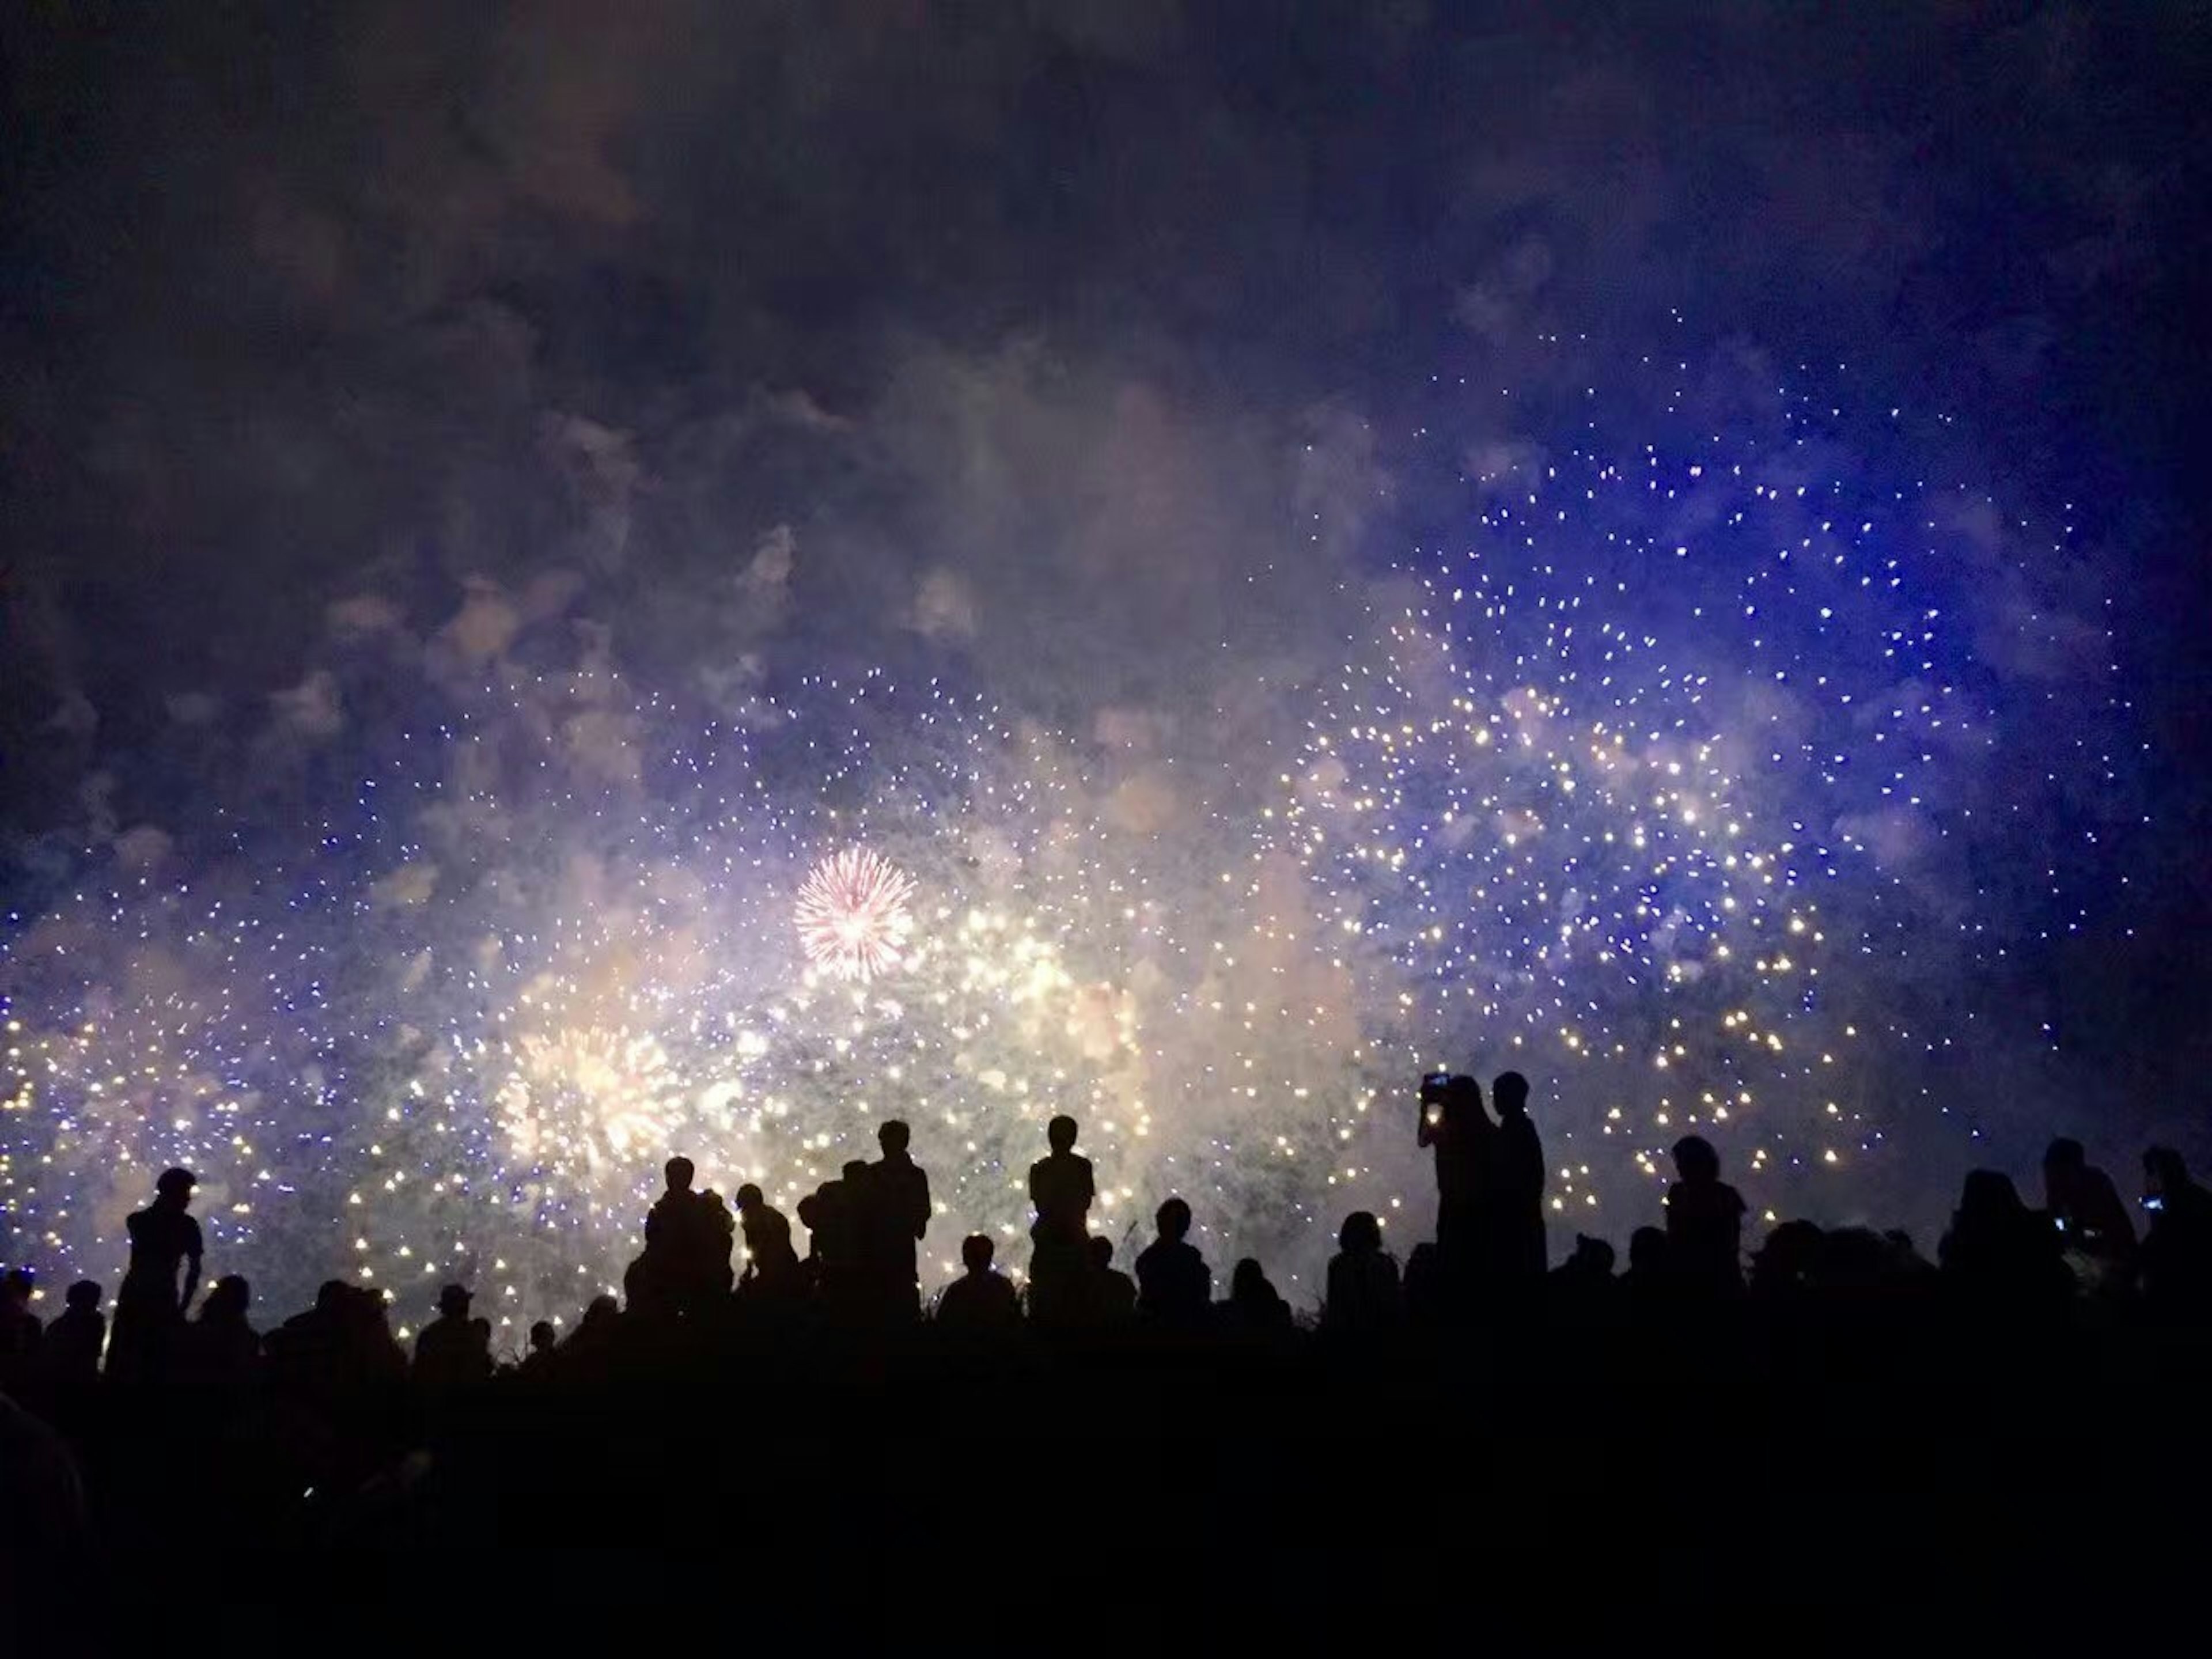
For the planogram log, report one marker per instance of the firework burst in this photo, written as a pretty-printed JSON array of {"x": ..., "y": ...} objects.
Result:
[{"x": 853, "y": 916}]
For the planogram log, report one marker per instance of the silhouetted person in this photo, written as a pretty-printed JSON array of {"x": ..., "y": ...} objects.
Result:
[
  {"x": 1705, "y": 1222},
  {"x": 771, "y": 1265},
  {"x": 688, "y": 1238},
  {"x": 1452, "y": 1121},
  {"x": 841, "y": 1241},
  {"x": 453, "y": 1351},
  {"x": 1109, "y": 1295},
  {"x": 69, "y": 1355},
  {"x": 1255, "y": 1307},
  {"x": 2086, "y": 1208},
  {"x": 19, "y": 1327},
  {"x": 1363, "y": 1282},
  {"x": 1517, "y": 1209},
  {"x": 1427, "y": 1295},
  {"x": 47, "y": 1548},
  {"x": 2177, "y": 1246},
  {"x": 896, "y": 1213},
  {"x": 1789, "y": 1263},
  {"x": 1583, "y": 1285},
  {"x": 1173, "y": 1286},
  {"x": 981, "y": 1302},
  {"x": 149, "y": 1310},
  {"x": 224, "y": 1348},
  {"x": 541, "y": 1356},
  {"x": 1061, "y": 1191},
  {"x": 1998, "y": 1249},
  {"x": 1649, "y": 1278}
]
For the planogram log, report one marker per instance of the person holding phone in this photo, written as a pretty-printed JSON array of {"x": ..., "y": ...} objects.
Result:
[{"x": 1454, "y": 1125}]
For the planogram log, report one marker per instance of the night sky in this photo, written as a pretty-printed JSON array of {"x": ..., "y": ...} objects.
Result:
[{"x": 1108, "y": 361}]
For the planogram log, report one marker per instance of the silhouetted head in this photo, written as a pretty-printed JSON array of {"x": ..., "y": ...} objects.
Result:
[
  {"x": 2065, "y": 1153},
  {"x": 1988, "y": 1194},
  {"x": 1361, "y": 1234},
  {"x": 1101, "y": 1252},
  {"x": 454, "y": 1301},
  {"x": 808, "y": 1211},
  {"x": 231, "y": 1297},
  {"x": 1249, "y": 1282},
  {"x": 541, "y": 1336},
  {"x": 84, "y": 1296},
  {"x": 680, "y": 1174},
  {"x": 1695, "y": 1160},
  {"x": 1059, "y": 1134},
  {"x": 1593, "y": 1255},
  {"x": 176, "y": 1186},
  {"x": 15, "y": 1287},
  {"x": 1510, "y": 1091},
  {"x": 750, "y": 1197},
  {"x": 600, "y": 1309},
  {"x": 977, "y": 1251},
  {"x": 1174, "y": 1218},
  {"x": 2164, "y": 1173},
  {"x": 331, "y": 1295},
  {"x": 1462, "y": 1100},
  {"x": 893, "y": 1137},
  {"x": 856, "y": 1169},
  {"x": 1647, "y": 1250}
]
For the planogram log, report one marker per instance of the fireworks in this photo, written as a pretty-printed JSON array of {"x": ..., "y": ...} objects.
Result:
[
  {"x": 852, "y": 915},
  {"x": 1655, "y": 785}
]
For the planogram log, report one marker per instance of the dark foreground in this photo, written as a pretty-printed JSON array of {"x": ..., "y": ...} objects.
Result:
[{"x": 1887, "y": 1464}]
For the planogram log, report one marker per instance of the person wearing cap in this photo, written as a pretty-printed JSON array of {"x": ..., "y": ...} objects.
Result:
[
  {"x": 149, "y": 1309},
  {"x": 453, "y": 1351}
]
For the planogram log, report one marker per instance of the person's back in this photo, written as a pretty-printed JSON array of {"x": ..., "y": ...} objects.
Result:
[
  {"x": 1255, "y": 1307},
  {"x": 1997, "y": 1248},
  {"x": 1453, "y": 1123},
  {"x": 452, "y": 1352},
  {"x": 1364, "y": 1299},
  {"x": 1173, "y": 1286},
  {"x": 1061, "y": 1189},
  {"x": 981, "y": 1302},
  {"x": 771, "y": 1264},
  {"x": 226, "y": 1350},
  {"x": 69, "y": 1353},
  {"x": 1111, "y": 1296},
  {"x": 2095, "y": 1230},
  {"x": 1705, "y": 1222},
  {"x": 18, "y": 1326},
  {"x": 150, "y": 1307},
  {"x": 2177, "y": 1246},
  {"x": 1516, "y": 1173},
  {"x": 897, "y": 1217}
]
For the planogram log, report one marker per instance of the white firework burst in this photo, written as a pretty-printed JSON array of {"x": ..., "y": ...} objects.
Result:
[{"x": 853, "y": 916}]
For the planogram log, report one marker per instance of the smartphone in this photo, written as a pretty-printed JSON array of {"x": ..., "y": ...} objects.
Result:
[
  {"x": 2152, "y": 1201},
  {"x": 1433, "y": 1082}
]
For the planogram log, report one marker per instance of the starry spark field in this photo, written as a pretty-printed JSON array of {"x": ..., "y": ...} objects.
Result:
[{"x": 1671, "y": 775}]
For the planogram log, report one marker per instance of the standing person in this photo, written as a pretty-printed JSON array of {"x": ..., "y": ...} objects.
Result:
[
  {"x": 1174, "y": 1287},
  {"x": 771, "y": 1264},
  {"x": 688, "y": 1238},
  {"x": 149, "y": 1310},
  {"x": 1364, "y": 1299},
  {"x": 896, "y": 1215},
  {"x": 70, "y": 1354},
  {"x": 2092, "y": 1224},
  {"x": 1061, "y": 1191},
  {"x": 2177, "y": 1246},
  {"x": 1705, "y": 1222},
  {"x": 980, "y": 1302},
  {"x": 18, "y": 1326},
  {"x": 1517, "y": 1209},
  {"x": 1453, "y": 1123},
  {"x": 453, "y": 1351}
]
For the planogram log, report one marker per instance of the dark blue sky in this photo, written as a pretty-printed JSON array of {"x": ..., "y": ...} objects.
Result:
[{"x": 1081, "y": 349}]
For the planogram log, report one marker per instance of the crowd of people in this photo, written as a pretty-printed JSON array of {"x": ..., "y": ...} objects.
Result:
[{"x": 330, "y": 1401}]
